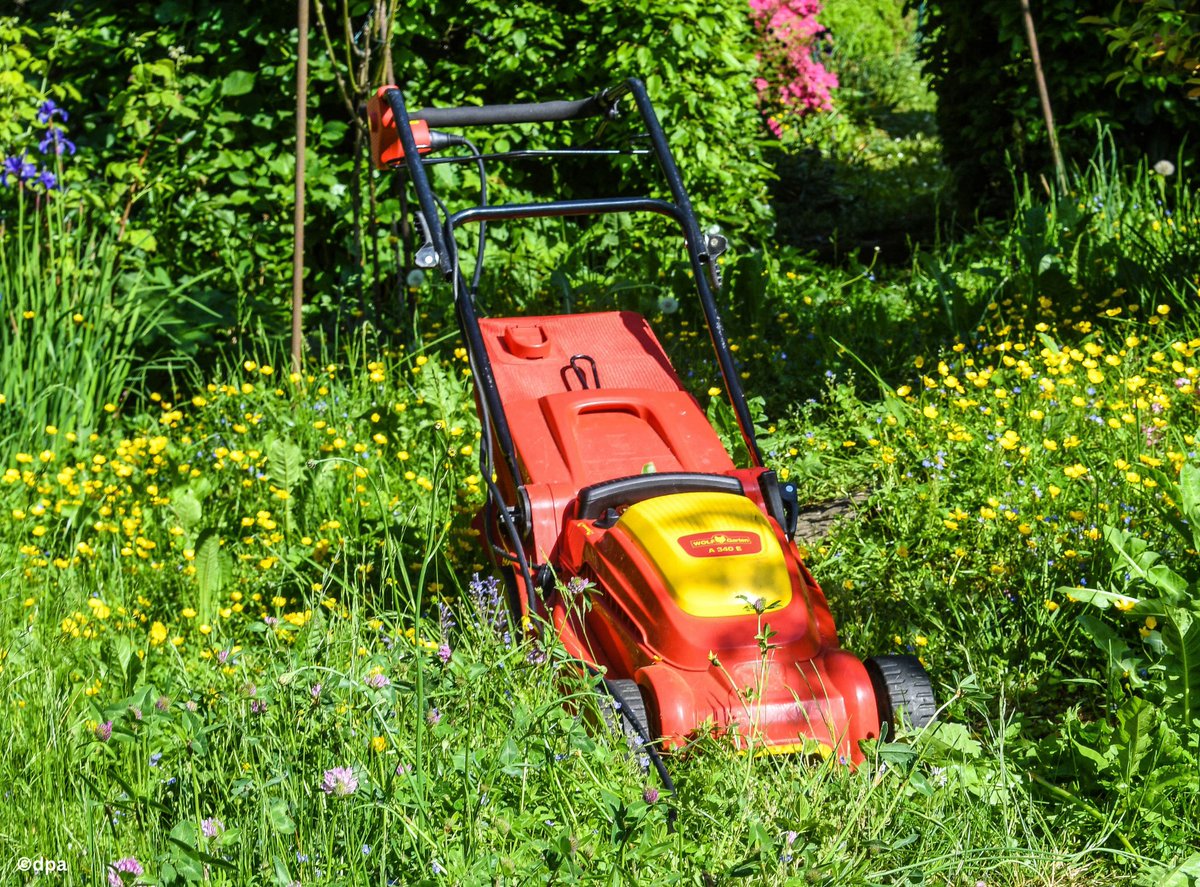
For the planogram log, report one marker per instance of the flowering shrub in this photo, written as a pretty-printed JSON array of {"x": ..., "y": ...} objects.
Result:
[{"x": 792, "y": 82}]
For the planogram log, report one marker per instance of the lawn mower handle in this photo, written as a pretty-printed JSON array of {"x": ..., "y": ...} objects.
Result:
[{"x": 600, "y": 105}]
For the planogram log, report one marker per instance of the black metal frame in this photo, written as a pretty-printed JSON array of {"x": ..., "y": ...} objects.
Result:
[{"x": 704, "y": 272}]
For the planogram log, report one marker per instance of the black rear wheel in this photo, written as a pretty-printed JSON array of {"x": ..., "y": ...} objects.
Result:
[
  {"x": 630, "y": 708},
  {"x": 903, "y": 692}
]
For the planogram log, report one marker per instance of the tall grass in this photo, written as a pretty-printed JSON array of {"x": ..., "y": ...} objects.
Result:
[{"x": 74, "y": 317}]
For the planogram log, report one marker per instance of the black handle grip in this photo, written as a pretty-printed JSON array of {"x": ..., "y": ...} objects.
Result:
[
  {"x": 593, "y": 501},
  {"x": 538, "y": 112}
]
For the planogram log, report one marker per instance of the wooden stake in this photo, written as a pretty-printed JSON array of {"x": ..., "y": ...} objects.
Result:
[
  {"x": 1060, "y": 171},
  {"x": 298, "y": 221}
]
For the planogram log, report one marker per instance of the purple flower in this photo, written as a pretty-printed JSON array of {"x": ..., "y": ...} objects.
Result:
[
  {"x": 339, "y": 781},
  {"x": 444, "y": 652},
  {"x": 135, "y": 712},
  {"x": 162, "y": 703},
  {"x": 17, "y": 167},
  {"x": 104, "y": 731},
  {"x": 118, "y": 870},
  {"x": 55, "y": 139},
  {"x": 315, "y": 692},
  {"x": 436, "y": 868},
  {"x": 378, "y": 681},
  {"x": 155, "y": 757},
  {"x": 434, "y": 717},
  {"x": 258, "y": 706},
  {"x": 650, "y": 795},
  {"x": 47, "y": 111},
  {"x": 48, "y": 180},
  {"x": 212, "y": 827}
]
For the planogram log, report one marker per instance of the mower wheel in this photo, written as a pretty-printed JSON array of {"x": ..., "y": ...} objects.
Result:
[
  {"x": 632, "y": 704},
  {"x": 903, "y": 691}
]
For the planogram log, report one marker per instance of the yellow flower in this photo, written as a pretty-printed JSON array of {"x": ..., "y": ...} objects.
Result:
[
  {"x": 378, "y": 744},
  {"x": 1051, "y": 606},
  {"x": 158, "y": 633},
  {"x": 188, "y": 613},
  {"x": 930, "y": 412}
]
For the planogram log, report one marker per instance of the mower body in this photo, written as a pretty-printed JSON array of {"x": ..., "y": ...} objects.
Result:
[{"x": 684, "y": 579}]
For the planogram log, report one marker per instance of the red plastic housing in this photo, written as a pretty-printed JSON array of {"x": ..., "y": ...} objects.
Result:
[{"x": 386, "y": 150}]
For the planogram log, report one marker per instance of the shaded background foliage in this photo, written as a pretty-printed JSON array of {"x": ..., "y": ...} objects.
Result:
[
  {"x": 184, "y": 117},
  {"x": 978, "y": 58}
]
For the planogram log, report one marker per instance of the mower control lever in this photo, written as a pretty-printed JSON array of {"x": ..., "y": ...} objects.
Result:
[{"x": 595, "y": 500}]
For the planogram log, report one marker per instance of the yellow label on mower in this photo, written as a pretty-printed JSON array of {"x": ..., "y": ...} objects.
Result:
[{"x": 715, "y": 552}]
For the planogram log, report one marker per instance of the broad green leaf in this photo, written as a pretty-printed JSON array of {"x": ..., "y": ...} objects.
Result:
[
  {"x": 1121, "y": 659},
  {"x": 187, "y": 507},
  {"x": 237, "y": 83},
  {"x": 278, "y": 817},
  {"x": 1181, "y": 637},
  {"x": 212, "y": 568},
  {"x": 1098, "y": 597},
  {"x": 1189, "y": 491},
  {"x": 1135, "y": 722},
  {"x": 1186, "y": 874},
  {"x": 285, "y": 464}
]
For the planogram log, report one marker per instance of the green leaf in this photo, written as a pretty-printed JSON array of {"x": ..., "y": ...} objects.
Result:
[
  {"x": 1121, "y": 658},
  {"x": 1186, "y": 874},
  {"x": 1135, "y": 722},
  {"x": 1181, "y": 637},
  {"x": 187, "y": 507},
  {"x": 285, "y": 464},
  {"x": 237, "y": 83},
  {"x": 212, "y": 569},
  {"x": 277, "y": 816},
  {"x": 1189, "y": 492}
]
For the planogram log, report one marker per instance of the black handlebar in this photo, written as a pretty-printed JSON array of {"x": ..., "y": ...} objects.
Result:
[
  {"x": 593, "y": 501},
  {"x": 600, "y": 105}
]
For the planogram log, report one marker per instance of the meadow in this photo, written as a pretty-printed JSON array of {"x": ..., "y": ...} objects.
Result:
[
  {"x": 248, "y": 633},
  {"x": 250, "y": 636}
]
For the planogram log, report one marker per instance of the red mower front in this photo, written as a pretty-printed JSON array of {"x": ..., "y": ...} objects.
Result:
[{"x": 613, "y": 507}]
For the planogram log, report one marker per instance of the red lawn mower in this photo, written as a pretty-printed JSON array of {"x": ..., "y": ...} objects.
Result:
[{"x": 604, "y": 473}]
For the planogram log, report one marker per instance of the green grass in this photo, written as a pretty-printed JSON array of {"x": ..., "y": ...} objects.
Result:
[{"x": 192, "y": 574}]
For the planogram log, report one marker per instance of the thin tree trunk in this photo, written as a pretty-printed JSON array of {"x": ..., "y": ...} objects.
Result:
[
  {"x": 298, "y": 221},
  {"x": 1060, "y": 171}
]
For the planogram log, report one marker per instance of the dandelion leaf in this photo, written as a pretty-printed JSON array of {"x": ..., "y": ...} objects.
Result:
[
  {"x": 1181, "y": 637},
  {"x": 1133, "y": 738},
  {"x": 285, "y": 464},
  {"x": 213, "y": 568}
]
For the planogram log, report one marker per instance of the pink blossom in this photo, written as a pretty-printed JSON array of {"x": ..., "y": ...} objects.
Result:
[{"x": 793, "y": 81}]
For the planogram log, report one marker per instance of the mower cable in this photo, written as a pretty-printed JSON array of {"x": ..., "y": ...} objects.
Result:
[{"x": 644, "y": 743}]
